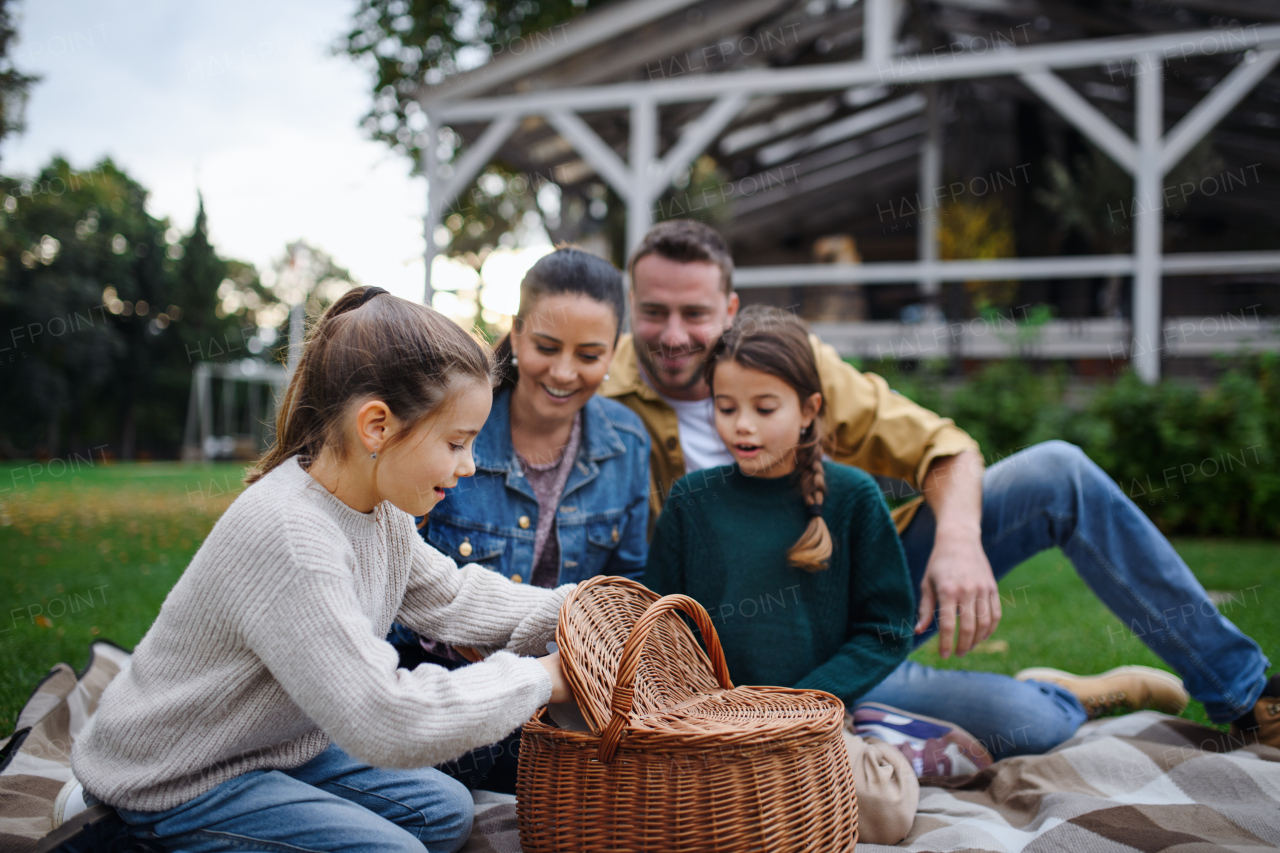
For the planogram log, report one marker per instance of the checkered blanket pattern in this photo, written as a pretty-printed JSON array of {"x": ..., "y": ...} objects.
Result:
[{"x": 1142, "y": 782}]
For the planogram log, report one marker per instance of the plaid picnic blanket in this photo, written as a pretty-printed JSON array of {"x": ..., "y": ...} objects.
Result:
[
  {"x": 1142, "y": 782},
  {"x": 35, "y": 762}
]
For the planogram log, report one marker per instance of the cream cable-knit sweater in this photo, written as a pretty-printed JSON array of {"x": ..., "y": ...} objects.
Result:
[{"x": 271, "y": 645}]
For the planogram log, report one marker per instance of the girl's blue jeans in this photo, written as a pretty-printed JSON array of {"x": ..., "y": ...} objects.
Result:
[
  {"x": 331, "y": 803},
  {"x": 1053, "y": 495}
]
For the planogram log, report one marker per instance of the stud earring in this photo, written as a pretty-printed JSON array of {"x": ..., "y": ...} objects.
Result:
[
  {"x": 373, "y": 455},
  {"x": 515, "y": 362},
  {"x": 606, "y": 377}
]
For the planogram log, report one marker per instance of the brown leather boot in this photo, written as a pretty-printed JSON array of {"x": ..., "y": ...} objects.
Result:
[
  {"x": 1263, "y": 722},
  {"x": 1125, "y": 688}
]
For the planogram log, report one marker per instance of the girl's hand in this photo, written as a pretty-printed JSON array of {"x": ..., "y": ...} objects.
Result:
[{"x": 560, "y": 691}]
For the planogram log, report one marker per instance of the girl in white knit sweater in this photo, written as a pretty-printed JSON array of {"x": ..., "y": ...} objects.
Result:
[{"x": 263, "y": 710}]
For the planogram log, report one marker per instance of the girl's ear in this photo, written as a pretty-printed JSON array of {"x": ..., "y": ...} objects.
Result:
[
  {"x": 810, "y": 407},
  {"x": 374, "y": 425}
]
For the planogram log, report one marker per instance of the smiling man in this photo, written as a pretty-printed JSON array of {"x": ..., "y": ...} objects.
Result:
[{"x": 972, "y": 525}]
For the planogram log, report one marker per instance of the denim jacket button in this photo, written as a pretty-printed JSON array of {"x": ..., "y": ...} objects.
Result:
[
  {"x": 615, "y": 533},
  {"x": 524, "y": 522},
  {"x": 465, "y": 548},
  {"x": 515, "y": 579}
]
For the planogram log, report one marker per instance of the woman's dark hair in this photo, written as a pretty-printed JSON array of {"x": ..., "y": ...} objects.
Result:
[
  {"x": 566, "y": 270},
  {"x": 772, "y": 342},
  {"x": 370, "y": 345}
]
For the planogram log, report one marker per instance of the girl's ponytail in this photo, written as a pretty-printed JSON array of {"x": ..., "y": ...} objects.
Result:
[
  {"x": 775, "y": 343},
  {"x": 371, "y": 345},
  {"x": 812, "y": 550}
]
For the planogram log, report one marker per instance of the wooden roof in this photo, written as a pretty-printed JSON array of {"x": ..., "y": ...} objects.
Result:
[{"x": 810, "y": 164}]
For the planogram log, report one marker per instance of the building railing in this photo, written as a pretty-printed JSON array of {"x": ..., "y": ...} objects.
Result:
[{"x": 1003, "y": 336}]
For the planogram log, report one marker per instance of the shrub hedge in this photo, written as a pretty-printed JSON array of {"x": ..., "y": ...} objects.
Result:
[{"x": 1196, "y": 461}]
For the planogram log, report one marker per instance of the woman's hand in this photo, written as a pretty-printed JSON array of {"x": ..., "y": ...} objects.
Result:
[{"x": 560, "y": 691}]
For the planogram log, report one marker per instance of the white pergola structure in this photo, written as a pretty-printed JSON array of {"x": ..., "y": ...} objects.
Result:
[{"x": 644, "y": 175}]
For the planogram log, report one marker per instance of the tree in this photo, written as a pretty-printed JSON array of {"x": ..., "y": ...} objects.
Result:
[
  {"x": 308, "y": 276},
  {"x": 404, "y": 43},
  {"x": 14, "y": 85},
  {"x": 103, "y": 310},
  {"x": 205, "y": 281}
]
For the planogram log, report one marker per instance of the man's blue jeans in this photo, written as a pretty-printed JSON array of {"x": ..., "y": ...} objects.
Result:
[
  {"x": 331, "y": 803},
  {"x": 1053, "y": 495}
]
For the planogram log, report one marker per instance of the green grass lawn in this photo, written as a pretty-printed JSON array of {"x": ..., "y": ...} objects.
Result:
[{"x": 90, "y": 553}]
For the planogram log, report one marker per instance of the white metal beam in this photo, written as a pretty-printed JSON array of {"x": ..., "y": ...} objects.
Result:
[
  {"x": 1086, "y": 118},
  {"x": 441, "y": 192},
  {"x": 842, "y": 75},
  {"x": 1204, "y": 115},
  {"x": 1148, "y": 230},
  {"x": 1225, "y": 263},
  {"x": 476, "y": 158},
  {"x": 907, "y": 272},
  {"x": 644, "y": 153},
  {"x": 930, "y": 177},
  {"x": 1002, "y": 269},
  {"x": 878, "y": 20},
  {"x": 697, "y": 136},
  {"x": 431, "y": 217},
  {"x": 1093, "y": 338},
  {"x": 593, "y": 149}
]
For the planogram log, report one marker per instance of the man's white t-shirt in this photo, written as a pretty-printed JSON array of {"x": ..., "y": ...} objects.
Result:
[{"x": 699, "y": 441}]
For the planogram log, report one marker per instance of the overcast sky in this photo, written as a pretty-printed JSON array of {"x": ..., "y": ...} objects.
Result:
[{"x": 239, "y": 99}]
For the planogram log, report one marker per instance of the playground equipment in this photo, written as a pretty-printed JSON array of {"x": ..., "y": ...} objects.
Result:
[{"x": 244, "y": 410}]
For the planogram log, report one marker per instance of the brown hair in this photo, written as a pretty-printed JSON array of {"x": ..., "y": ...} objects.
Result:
[
  {"x": 686, "y": 241},
  {"x": 772, "y": 342},
  {"x": 371, "y": 345},
  {"x": 568, "y": 269}
]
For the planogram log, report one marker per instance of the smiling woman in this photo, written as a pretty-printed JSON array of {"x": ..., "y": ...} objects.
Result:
[{"x": 559, "y": 493}]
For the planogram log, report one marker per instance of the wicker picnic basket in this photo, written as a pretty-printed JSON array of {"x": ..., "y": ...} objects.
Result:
[{"x": 677, "y": 758}]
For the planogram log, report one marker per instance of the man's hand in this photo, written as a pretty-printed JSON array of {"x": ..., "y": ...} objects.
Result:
[
  {"x": 560, "y": 690},
  {"x": 958, "y": 579}
]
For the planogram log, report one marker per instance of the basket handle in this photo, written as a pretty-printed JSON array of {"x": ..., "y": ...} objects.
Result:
[{"x": 624, "y": 687}]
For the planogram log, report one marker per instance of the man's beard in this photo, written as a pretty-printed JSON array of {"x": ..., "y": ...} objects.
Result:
[{"x": 645, "y": 356}]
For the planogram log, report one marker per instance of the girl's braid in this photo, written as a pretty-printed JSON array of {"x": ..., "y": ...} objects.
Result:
[{"x": 812, "y": 550}]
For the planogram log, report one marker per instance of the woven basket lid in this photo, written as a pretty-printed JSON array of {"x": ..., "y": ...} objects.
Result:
[{"x": 675, "y": 690}]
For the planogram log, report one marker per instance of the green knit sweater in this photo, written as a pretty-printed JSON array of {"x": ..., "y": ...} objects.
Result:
[{"x": 722, "y": 538}]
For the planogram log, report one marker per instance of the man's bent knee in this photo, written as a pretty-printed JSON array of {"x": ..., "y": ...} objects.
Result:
[
  {"x": 1045, "y": 469},
  {"x": 1060, "y": 457}
]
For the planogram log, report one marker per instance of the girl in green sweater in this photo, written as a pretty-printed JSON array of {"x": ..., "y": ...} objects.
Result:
[{"x": 799, "y": 564}]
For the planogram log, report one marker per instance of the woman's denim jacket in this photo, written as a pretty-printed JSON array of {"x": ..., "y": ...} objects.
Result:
[{"x": 491, "y": 517}]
